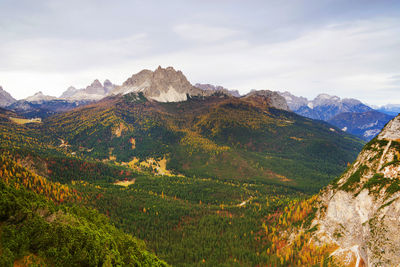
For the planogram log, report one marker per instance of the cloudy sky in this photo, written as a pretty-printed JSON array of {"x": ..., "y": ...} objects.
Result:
[{"x": 347, "y": 48}]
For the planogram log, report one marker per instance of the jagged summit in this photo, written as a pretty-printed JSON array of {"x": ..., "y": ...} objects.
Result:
[
  {"x": 69, "y": 92},
  {"x": 218, "y": 88},
  {"x": 95, "y": 91},
  {"x": 5, "y": 98},
  {"x": 348, "y": 114},
  {"x": 312, "y": 108},
  {"x": 162, "y": 85}
]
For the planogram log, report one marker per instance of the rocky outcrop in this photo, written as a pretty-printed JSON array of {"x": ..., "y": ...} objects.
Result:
[
  {"x": 162, "y": 85},
  {"x": 213, "y": 88},
  {"x": 360, "y": 211},
  {"x": 5, "y": 98},
  {"x": 94, "y": 91},
  {"x": 267, "y": 99}
]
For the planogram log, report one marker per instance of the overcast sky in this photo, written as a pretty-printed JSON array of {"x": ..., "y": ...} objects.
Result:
[{"x": 347, "y": 48}]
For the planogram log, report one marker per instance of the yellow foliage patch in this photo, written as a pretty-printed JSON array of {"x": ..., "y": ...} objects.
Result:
[
  {"x": 25, "y": 121},
  {"x": 196, "y": 142},
  {"x": 133, "y": 142},
  {"x": 125, "y": 183},
  {"x": 296, "y": 138},
  {"x": 158, "y": 165}
]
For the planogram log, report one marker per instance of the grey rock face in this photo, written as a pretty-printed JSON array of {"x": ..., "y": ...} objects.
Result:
[
  {"x": 360, "y": 212},
  {"x": 274, "y": 99},
  {"x": 162, "y": 85},
  {"x": 294, "y": 102},
  {"x": 69, "y": 92},
  {"x": 5, "y": 98},
  {"x": 213, "y": 88},
  {"x": 95, "y": 91}
]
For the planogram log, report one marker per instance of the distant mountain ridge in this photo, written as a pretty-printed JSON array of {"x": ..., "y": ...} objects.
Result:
[
  {"x": 95, "y": 91},
  {"x": 365, "y": 124},
  {"x": 390, "y": 109},
  {"x": 324, "y": 106},
  {"x": 218, "y": 88},
  {"x": 349, "y": 114}
]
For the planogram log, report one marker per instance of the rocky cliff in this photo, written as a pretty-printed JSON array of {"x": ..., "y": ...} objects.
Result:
[
  {"x": 218, "y": 88},
  {"x": 267, "y": 98},
  {"x": 5, "y": 98},
  {"x": 162, "y": 85},
  {"x": 360, "y": 211}
]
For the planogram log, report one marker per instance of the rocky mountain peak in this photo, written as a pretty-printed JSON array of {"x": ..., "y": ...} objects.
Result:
[
  {"x": 39, "y": 96},
  {"x": 108, "y": 83},
  {"x": 69, "y": 92},
  {"x": 325, "y": 99},
  {"x": 162, "y": 85},
  {"x": 218, "y": 88},
  {"x": 324, "y": 106},
  {"x": 294, "y": 102},
  {"x": 268, "y": 99},
  {"x": 5, "y": 98},
  {"x": 95, "y": 88},
  {"x": 95, "y": 91}
]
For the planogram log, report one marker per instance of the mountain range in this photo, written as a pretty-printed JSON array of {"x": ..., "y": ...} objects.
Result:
[
  {"x": 94, "y": 91},
  {"x": 168, "y": 85},
  {"x": 204, "y": 177},
  {"x": 390, "y": 109},
  {"x": 350, "y": 115}
]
